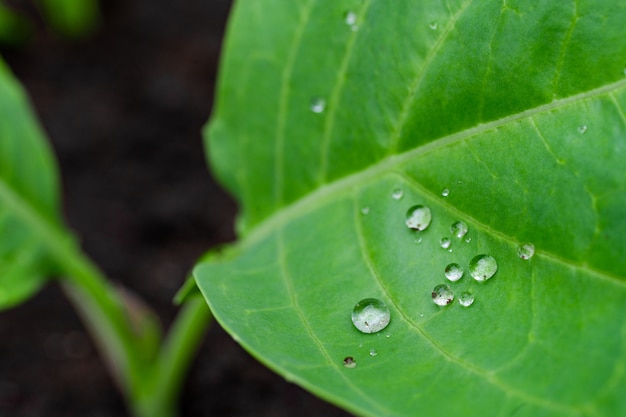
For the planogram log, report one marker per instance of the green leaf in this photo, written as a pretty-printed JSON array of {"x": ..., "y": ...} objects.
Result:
[
  {"x": 29, "y": 193},
  {"x": 519, "y": 110},
  {"x": 72, "y": 18}
]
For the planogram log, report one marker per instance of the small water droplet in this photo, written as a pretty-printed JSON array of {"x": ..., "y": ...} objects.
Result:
[
  {"x": 459, "y": 228},
  {"x": 433, "y": 25},
  {"x": 442, "y": 295},
  {"x": 370, "y": 315},
  {"x": 468, "y": 239},
  {"x": 397, "y": 194},
  {"x": 418, "y": 240},
  {"x": 445, "y": 192},
  {"x": 318, "y": 105},
  {"x": 418, "y": 217},
  {"x": 582, "y": 129},
  {"x": 454, "y": 272},
  {"x": 422, "y": 315},
  {"x": 445, "y": 242},
  {"x": 526, "y": 250},
  {"x": 466, "y": 299},
  {"x": 365, "y": 210},
  {"x": 373, "y": 352},
  {"x": 483, "y": 267},
  {"x": 388, "y": 335},
  {"x": 350, "y": 18},
  {"x": 349, "y": 362}
]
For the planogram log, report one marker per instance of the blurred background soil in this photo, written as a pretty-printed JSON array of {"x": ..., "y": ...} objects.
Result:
[{"x": 124, "y": 109}]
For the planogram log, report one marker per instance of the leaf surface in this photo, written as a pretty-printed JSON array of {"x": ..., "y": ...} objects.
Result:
[
  {"x": 518, "y": 110},
  {"x": 28, "y": 195}
]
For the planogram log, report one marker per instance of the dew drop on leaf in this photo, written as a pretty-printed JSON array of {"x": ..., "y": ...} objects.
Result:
[
  {"x": 483, "y": 267},
  {"x": 466, "y": 299},
  {"x": 582, "y": 129},
  {"x": 459, "y": 228},
  {"x": 433, "y": 25},
  {"x": 442, "y": 295},
  {"x": 318, "y": 105},
  {"x": 350, "y": 18},
  {"x": 526, "y": 250},
  {"x": 445, "y": 192},
  {"x": 349, "y": 362},
  {"x": 370, "y": 315},
  {"x": 365, "y": 210},
  {"x": 373, "y": 352},
  {"x": 418, "y": 217},
  {"x": 454, "y": 272},
  {"x": 445, "y": 242},
  {"x": 418, "y": 240},
  {"x": 397, "y": 194},
  {"x": 468, "y": 239}
]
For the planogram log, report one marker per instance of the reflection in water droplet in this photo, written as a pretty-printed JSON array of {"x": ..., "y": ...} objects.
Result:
[
  {"x": 370, "y": 315},
  {"x": 445, "y": 192},
  {"x": 466, "y": 299},
  {"x": 482, "y": 267},
  {"x": 318, "y": 105},
  {"x": 454, "y": 272},
  {"x": 433, "y": 25},
  {"x": 526, "y": 250},
  {"x": 459, "y": 228},
  {"x": 442, "y": 295},
  {"x": 397, "y": 194},
  {"x": 349, "y": 362},
  {"x": 582, "y": 129},
  {"x": 445, "y": 242},
  {"x": 418, "y": 217},
  {"x": 418, "y": 240},
  {"x": 373, "y": 352},
  {"x": 365, "y": 210}
]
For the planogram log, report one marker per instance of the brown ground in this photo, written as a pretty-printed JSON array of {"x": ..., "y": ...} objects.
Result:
[{"x": 124, "y": 110}]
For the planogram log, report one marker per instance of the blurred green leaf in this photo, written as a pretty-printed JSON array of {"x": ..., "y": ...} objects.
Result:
[{"x": 72, "y": 18}]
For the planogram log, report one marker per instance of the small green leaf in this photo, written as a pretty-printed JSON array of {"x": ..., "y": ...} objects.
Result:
[
  {"x": 334, "y": 119},
  {"x": 28, "y": 195}
]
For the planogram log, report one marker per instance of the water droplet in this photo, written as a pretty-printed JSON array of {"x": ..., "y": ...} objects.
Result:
[
  {"x": 468, "y": 239},
  {"x": 397, "y": 194},
  {"x": 466, "y": 299},
  {"x": 370, "y": 315},
  {"x": 442, "y": 295},
  {"x": 350, "y": 18},
  {"x": 418, "y": 217},
  {"x": 445, "y": 192},
  {"x": 365, "y": 210},
  {"x": 318, "y": 105},
  {"x": 373, "y": 352},
  {"x": 433, "y": 25},
  {"x": 526, "y": 250},
  {"x": 422, "y": 315},
  {"x": 454, "y": 272},
  {"x": 482, "y": 267},
  {"x": 459, "y": 228},
  {"x": 349, "y": 362},
  {"x": 388, "y": 335},
  {"x": 582, "y": 129},
  {"x": 355, "y": 28},
  {"x": 445, "y": 242},
  {"x": 418, "y": 240}
]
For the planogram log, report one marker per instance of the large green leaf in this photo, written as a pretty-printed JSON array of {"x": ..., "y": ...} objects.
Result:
[
  {"x": 28, "y": 195},
  {"x": 519, "y": 110}
]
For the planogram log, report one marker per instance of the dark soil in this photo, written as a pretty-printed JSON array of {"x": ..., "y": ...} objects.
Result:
[{"x": 123, "y": 110}]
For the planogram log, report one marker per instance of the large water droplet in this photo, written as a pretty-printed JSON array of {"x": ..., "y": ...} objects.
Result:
[
  {"x": 365, "y": 210},
  {"x": 433, "y": 25},
  {"x": 442, "y": 295},
  {"x": 526, "y": 250},
  {"x": 397, "y": 194},
  {"x": 445, "y": 192},
  {"x": 318, "y": 105},
  {"x": 373, "y": 352},
  {"x": 466, "y": 299},
  {"x": 445, "y": 242},
  {"x": 454, "y": 272},
  {"x": 483, "y": 267},
  {"x": 418, "y": 217},
  {"x": 459, "y": 228},
  {"x": 349, "y": 362},
  {"x": 370, "y": 315},
  {"x": 582, "y": 129}
]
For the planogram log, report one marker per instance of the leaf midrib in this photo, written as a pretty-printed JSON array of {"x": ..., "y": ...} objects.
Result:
[{"x": 320, "y": 196}]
